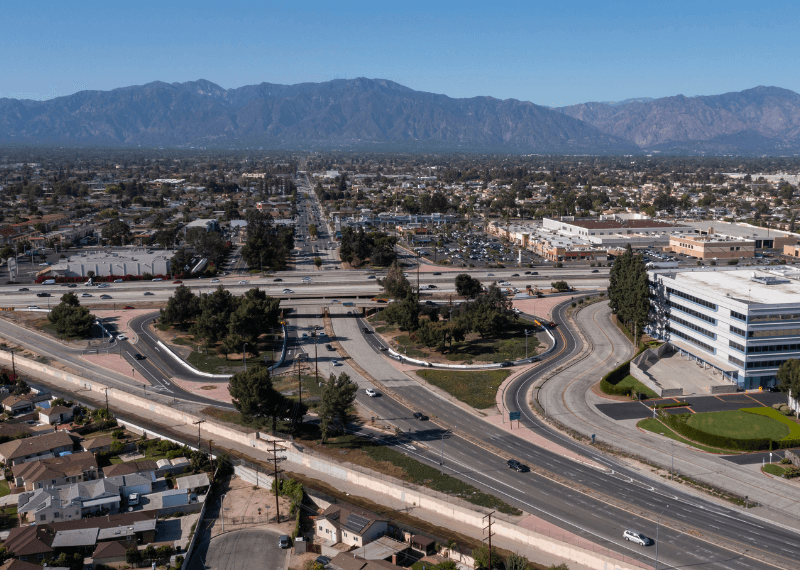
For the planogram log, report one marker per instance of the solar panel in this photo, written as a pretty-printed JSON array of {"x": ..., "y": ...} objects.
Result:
[{"x": 355, "y": 523}]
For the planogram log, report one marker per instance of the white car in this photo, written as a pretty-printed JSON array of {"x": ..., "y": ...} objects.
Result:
[
  {"x": 122, "y": 337},
  {"x": 336, "y": 363},
  {"x": 288, "y": 291},
  {"x": 103, "y": 286},
  {"x": 242, "y": 282},
  {"x": 371, "y": 393},
  {"x": 133, "y": 499},
  {"x": 158, "y": 279},
  {"x": 215, "y": 280},
  {"x": 306, "y": 278},
  {"x": 637, "y": 537},
  {"x": 86, "y": 295}
]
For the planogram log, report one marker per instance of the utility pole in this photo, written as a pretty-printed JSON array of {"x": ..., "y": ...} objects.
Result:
[
  {"x": 197, "y": 423},
  {"x": 275, "y": 481},
  {"x": 13, "y": 366},
  {"x": 106, "y": 391},
  {"x": 316, "y": 363},
  {"x": 489, "y": 537},
  {"x": 299, "y": 382},
  {"x": 211, "y": 457}
]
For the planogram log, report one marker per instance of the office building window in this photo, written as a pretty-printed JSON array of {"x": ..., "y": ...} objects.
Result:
[
  {"x": 740, "y": 332},
  {"x": 689, "y": 338},
  {"x": 736, "y": 345},
  {"x": 692, "y": 326},
  {"x": 773, "y": 333},
  {"x": 692, "y": 312},
  {"x": 736, "y": 361},
  {"x": 692, "y": 298},
  {"x": 765, "y": 364},
  {"x": 773, "y": 348},
  {"x": 772, "y": 318},
  {"x": 739, "y": 316}
]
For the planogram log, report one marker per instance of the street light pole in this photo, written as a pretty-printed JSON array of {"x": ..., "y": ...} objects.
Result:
[
  {"x": 658, "y": 523},
  {"x": 444, "y": 434},
  {"x": 244, "y": 356},
  {"x": 222, "y": 510},
  {"x": 526, "y": 344}
]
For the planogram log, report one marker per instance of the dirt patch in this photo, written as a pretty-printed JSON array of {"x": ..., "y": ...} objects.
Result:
[{"x": 208, "y": 387}]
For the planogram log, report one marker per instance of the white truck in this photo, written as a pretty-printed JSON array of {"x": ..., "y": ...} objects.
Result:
[{"x": 661, "y": 265}]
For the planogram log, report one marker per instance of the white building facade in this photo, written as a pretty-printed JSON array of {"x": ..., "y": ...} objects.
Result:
[{"x": 743, "y": 322}]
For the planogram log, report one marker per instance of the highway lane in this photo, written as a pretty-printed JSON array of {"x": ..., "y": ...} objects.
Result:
[{"x": 625, "y": 485}]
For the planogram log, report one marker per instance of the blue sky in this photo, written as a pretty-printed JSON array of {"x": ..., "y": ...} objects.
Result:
[{"x": 551, "y": 53}]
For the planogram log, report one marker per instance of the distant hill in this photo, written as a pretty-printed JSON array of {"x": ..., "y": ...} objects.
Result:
[
  {"x": 357, "y": 114},
  {"x": 763, "y": 120}
]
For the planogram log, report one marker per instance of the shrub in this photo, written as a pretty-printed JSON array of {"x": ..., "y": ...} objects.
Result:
[{"x": 609, "y": 382}]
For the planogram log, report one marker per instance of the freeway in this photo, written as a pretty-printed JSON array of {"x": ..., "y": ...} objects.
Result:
[{"x": 597, "y": 504}]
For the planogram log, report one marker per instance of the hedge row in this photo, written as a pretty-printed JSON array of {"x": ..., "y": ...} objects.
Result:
[
  {"x": 609, "y": 382},
  {"x": 678, "y": 423}
]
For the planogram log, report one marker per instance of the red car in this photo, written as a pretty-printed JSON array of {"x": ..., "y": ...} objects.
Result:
[
  {"x": 177, "y": 282},
  {"x": 127, "y": 307}
]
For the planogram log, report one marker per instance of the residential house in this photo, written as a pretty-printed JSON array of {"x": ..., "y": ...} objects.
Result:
[
  {"x": 349, "y": 525},
  {"x": 194, "y": 483},
  {"x": 107, "y": 553},
  {"x": 98, "y": 444},
  {"x": 133, "y": 483},
  {"x": 55, "y": 415},
  {"x": 16, "y": 405},
  {"x": 145, "y": 467},
  {"x": 56, "y": 471},
  {"x": 347, "y": 561},
  {"x": 18, "y": 564},
  {"x": 71, "y": 502},
  {"x": 31, "y": 543},
  {"x": 38, "y": 447}
]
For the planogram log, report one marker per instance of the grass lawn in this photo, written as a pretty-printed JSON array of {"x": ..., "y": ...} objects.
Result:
[
  {"x": 287, "y": 384},
  {"x": 631, "y": 382},
  {"x": 774, "y": 469},
  {"x": 8, "y": 518},
  {"x": 215, "y": 364},
  {"x": 4, "y": 490},
  {"x": 739, "y": 424},
  {"x": 477, "y": 389},
  {"x": 794, "y": 427},
  {"x": 654, "y": 425}
]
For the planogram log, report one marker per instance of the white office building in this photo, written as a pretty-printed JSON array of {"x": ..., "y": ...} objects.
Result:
[{"x": 744, "y": 322}]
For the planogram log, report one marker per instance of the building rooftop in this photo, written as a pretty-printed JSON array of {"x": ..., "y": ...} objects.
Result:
[{"x": 749, "y": 286}]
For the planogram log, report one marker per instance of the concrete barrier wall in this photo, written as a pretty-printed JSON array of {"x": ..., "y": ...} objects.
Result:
[
  {"x": 187, "y": 557},
  {"x": 645, "y": 379},
  {"x": 723, "y": 389}
]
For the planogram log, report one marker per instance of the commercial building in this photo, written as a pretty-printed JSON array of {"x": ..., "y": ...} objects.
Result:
[
  {"x": 119, "y": 263},
  {"x": 764, "y": 238},
  {"x": 616, "y": 230},
  {"x": 743, "y": 322},
  {"x": 712, "y": 246}
]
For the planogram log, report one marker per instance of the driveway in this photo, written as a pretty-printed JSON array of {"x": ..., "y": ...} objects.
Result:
[{"x": 246, "y": 549}]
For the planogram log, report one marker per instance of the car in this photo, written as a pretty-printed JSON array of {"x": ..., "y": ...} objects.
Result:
[
  {"x": 23, "y": 289},
  {"x": 534, "y": 273},
  {"x": 86, "y": 295},
  {"x": 336, "y": 362},
  {"x": 432, "y": 287},
  {"x": 506, "y": 364},
  {"x": 430, "y": 303},
  {"x": 637, "y": 537},
  {"x": 105, "y": 296},
  {"x": 33, "y": 306},
  {"x": 305, "y": 335},
  {"x": 117, "y": 280},
  {"x": 335, "y": 301},
  {"x": 436, "y": 273},
  {"x": 420, "y": 416},
  {"x": 177, "y": 282},
  {"x": 515, "y": 275},
  {"x": 103, "y": 286},
  {"x": 215, "y": 280},
  {"x": 158, "y": 279},
  {"x": 138, "y": 356},
  {"x": 490, "y": 275},
  {"x": 133, "y": 499},
  {"x": 71, "y": 285},
  {"x": 128, "y": 307},
  {"x": 148, "y": 293},
  {"x": 288, "y": 291},
  {"x": 382, "y": 348},
  {"x": 371, "y": 393},
  {"x": 517, "y": 466},
  {"x": 595, "y": 271},
  {"x": 365, "y": 330},
  {"x": 370, "y": 277},
  {"x": 329, "y": 347},
  {"x": 322, "y": 334},
  {"x": 277, "y": 280},
  {"x": 284, "y": 541},
  {"x": 42, "y": 294},
  {"x": 122, "y": 337},
  {"x": 773, "y": 389},
  {"x": 306, "y": 279},
  {"x": 324, "y": 560},
  {"x": 243, "y": 282}
]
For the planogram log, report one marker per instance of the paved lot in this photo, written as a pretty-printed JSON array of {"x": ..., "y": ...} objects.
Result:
[
  {"x": 632, "y": 410},
  {"x": 246, "y": 549},
  {"x": 753, "y": 458}
]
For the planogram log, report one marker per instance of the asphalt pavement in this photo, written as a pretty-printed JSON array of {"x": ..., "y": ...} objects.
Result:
[{"x": 718, "y": 403}]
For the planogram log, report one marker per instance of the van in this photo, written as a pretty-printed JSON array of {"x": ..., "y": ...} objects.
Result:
[{"x": 49, "y": 282}]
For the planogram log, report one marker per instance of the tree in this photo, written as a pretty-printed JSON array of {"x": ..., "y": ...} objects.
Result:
[
  {"x": 405, "y": 313},
  {"x": 560, "y": 286},
  {"x": 70, "y": 318},
  {"x": 516, "y": 562},
  {"x": 338, "y": 395},
  {"x": 255, "y": 397},
  {"x": 267, "y": 245},
  {"x": 115, "y": 232},
  {"x": 481, "y": 557},
  {"x": 21, "y": 388},
  {"x": 395, "y": 283},
  {"x": 312, "y": 230},
  {"x": 318, "y": 262},
  {"x": 181, "y": 262},
  {"x": 207, "y": 245},
  {"x": 6, "y": 252},
  {"x": 628, "y": 290},
  {"x": 255, "y": 314},
  {"x": 215, "y": 311},
  {"x": 468, "y": 286},
  {"x": 789, "y": 383},
  {"x": 182, "y": 307}
]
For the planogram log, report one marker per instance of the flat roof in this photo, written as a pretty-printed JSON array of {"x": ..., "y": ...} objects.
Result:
[
  {"x": 737, "y": 230},
  {"x": 739, "y": 284},
  {"x": 614, "y": 224}
]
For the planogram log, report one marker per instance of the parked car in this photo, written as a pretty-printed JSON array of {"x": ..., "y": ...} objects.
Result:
[
  {"x": 517, "y": 466},
  {"x": 336, "y": 363},
  {"x": 133, "y": 499},
  {"x": 329, "y": 347},
  {"x": 637, "y": 537},
  {"x": 284, "y": 541}
]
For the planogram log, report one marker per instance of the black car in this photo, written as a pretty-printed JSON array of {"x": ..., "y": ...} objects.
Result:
[
  {"x": 595, "y": 271},
  {"x": 42, "y": 294},
  {"x": 322, "y": 560},
  {"x": 420, "y": 416},
  {"x": 773, "y": 389},
  {"x": 24, "y": 289},
  {"x": 527, "y": 273},
  {"x": 365, "y": 330},
  {"x": 506, "y": 364},
  {"x": 517, "y": 466},
  {"x": 138, "y": 356},
  {"x": 534, "y": 273},
  {"x": 277, "y": 280},
  {"x": 329, "y": 347},
  {"x": 515, "y": 275},
  {"x": 436, "y": 273},
  {"x": 71, "y": 285}
]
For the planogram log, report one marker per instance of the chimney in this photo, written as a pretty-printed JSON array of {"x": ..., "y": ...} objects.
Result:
[{"x": 394, "y": 559}]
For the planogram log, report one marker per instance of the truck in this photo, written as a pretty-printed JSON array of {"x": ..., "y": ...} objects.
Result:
[{"x": 661, "y": 265}]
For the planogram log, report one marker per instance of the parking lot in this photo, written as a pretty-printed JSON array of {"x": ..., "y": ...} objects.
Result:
[{"x": 723, "y": 402}]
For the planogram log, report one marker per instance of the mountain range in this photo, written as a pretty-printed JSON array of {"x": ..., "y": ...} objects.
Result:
[{"x": 380, "y": 115}]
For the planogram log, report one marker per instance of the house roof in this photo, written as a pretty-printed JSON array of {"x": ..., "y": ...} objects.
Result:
[
  {"x": 49, "y": 412},
  {"x": 350, "y": 518},
  {"x": 16, "y": 564},
  {"x": 35, "y": 445},
  {"x": 97, "y": 443},
  {"x": 380, "y": 549},
  {"x": 347, "y": 561},
  {"x": 108, "y": 521},
  {"x": 193, "y": 481},
  {"x": 13, "y": 399},
  {"x": 76, "y": 537},
  {"x": 54, "y": 467},
  {"x": 111, "y": 549},
  {"x": 130, "y": 467},
  {"x": 30, "y": 540},
  {"x": 129, "y": 480}
]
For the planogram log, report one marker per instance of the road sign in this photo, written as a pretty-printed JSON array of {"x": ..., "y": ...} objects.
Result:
[{"x": 513, "y": 416}]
